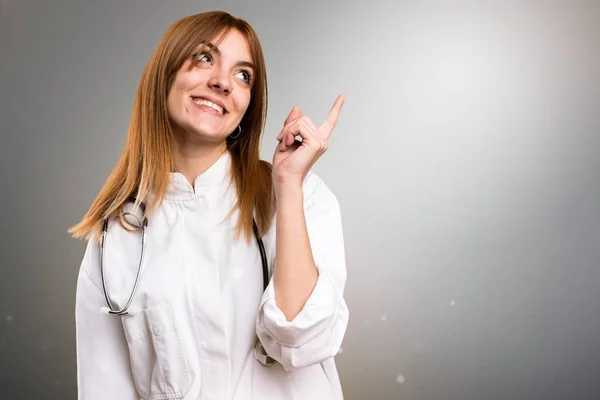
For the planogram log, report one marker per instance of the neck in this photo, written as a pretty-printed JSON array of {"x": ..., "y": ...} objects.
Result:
[{"x": 192, "y": 158}]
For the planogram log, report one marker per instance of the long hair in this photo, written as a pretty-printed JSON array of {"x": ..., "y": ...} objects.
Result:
[{"x": 143, "y": 170}]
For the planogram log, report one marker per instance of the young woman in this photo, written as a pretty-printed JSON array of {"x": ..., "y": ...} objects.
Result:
[{"x": 210, "y": 274}]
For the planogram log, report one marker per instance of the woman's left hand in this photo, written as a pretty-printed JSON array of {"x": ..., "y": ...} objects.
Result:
[{"x": 293, "y": 159}]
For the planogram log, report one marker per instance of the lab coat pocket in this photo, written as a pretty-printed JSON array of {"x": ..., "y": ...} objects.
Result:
[{"x": 158, "y": 360}]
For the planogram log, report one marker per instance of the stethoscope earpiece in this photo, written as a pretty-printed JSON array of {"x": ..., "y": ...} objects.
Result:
[{"x": 133, "y": 311}]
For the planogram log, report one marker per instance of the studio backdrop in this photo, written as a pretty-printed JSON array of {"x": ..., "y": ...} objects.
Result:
[{"x": 466, "y": 162}]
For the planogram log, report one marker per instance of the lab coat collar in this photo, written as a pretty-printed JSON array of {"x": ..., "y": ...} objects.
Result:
[{"x": 215, "y": 176}]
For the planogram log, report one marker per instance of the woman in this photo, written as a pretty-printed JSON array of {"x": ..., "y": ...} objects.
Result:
[{"x": 201, "y": 321}]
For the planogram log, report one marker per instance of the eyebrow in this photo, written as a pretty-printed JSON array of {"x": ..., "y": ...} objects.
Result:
[{"x": 214, "y": 48}]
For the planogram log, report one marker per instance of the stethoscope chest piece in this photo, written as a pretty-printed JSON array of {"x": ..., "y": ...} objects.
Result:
[{"x": 262, "y": 356}]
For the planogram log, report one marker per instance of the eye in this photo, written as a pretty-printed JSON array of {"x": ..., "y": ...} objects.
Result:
[
  {"x": 246, "y": 76},
  {"x": 202, "y": 57}
]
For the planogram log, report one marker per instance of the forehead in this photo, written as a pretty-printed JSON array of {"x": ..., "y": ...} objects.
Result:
[{"x": 233, "y": 45}]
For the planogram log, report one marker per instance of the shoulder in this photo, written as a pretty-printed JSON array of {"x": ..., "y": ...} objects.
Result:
[{"x": 90, "y": 261}]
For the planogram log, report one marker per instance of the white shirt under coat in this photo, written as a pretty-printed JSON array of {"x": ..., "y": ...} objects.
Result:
[{"x": 202, "y": 304}]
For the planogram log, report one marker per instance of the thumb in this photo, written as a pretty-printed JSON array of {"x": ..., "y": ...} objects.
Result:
[{"x": 294, "y": 115}]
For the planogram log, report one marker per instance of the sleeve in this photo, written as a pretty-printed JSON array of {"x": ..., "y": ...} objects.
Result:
[
  {"x": 316, "y": 333},
  {"x": 103, "y": 369}
]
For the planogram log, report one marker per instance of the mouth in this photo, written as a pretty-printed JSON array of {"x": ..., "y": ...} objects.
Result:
[{"x": 205, "y": 104}]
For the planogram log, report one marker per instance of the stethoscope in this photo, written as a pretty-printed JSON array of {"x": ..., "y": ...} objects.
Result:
[{"x": 259, "y": 351}]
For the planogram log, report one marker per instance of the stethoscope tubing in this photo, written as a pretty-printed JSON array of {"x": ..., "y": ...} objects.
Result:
[{"x": 259, "y": 352}]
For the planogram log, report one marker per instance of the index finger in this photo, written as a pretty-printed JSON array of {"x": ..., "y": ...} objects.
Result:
[{"x": 334, "y": 113}]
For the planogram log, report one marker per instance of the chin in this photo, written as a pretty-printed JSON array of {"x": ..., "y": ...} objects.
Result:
[{"x": 210, "y": 135}]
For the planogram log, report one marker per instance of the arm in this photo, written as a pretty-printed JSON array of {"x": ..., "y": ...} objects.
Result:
[
  {"x": 103, "y": 369},
  {"x": 295, "y": 273},
  {"x": 295, "y": 269},
  {"x": 316, "y": 331}
]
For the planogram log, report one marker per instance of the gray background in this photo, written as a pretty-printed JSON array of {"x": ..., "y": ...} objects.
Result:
[{"x": 466, "y": 162}]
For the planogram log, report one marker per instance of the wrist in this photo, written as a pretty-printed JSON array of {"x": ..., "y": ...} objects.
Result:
[
  {"x": 289, "y": 206},
  {"x": 288, "y": 190},
  {"x": 286, "y": 185}
]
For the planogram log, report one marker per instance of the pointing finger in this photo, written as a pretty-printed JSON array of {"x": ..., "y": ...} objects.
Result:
[{"x": 327, "y": 127}]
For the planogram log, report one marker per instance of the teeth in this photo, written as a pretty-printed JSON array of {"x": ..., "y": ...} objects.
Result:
[{"x": 203, "y": 102}]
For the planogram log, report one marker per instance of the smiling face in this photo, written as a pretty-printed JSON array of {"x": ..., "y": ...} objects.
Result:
[{"x": 211, "y": 90}]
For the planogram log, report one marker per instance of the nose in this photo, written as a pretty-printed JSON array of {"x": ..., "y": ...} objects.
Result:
[{"x": 221, "y": 83}]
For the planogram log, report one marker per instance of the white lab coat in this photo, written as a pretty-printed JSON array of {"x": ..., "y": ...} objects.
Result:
[{"x": 202, "y": 304}]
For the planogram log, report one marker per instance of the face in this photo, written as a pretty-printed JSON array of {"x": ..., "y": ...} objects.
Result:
[{"x": 209, "y": 100}]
